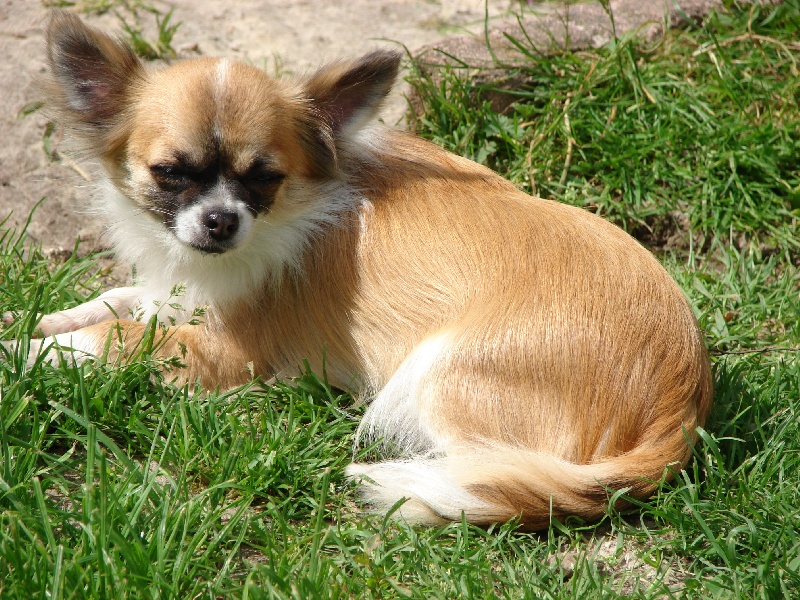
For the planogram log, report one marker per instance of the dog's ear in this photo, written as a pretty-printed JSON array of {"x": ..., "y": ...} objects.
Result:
[
  {"x": 348, "y": 94},
  {"x": 91, "y": 73}
]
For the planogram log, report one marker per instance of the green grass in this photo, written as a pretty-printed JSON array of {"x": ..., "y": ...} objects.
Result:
[{"x": 116, "y": 484}]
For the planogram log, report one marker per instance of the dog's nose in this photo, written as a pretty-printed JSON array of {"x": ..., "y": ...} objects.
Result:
[{"x": 222, "y": 225}]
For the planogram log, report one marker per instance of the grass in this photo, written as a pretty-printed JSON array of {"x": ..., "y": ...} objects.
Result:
[{"x": 115, "y": 483}]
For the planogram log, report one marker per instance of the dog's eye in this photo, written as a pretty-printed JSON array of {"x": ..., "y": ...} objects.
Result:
[
  {"x": 167, "y": 171},
  {"x": 169, "y": 176},
  {"x": 262, "y": 176}
]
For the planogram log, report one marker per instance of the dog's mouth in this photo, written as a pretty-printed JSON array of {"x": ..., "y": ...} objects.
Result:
[{"x": 213, "y": 250}]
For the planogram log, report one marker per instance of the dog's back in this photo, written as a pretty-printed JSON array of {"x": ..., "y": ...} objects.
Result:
[{"x": 530, "y": 356}]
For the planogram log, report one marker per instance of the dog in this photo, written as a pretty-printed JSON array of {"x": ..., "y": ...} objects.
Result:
[{"x": 520, "y": 358}]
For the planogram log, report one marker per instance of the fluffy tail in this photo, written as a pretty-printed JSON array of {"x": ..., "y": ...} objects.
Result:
[{"x": 494, "y": 484}]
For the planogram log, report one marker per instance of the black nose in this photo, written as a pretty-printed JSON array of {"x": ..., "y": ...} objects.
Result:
[{"x": 222, "y": 225}]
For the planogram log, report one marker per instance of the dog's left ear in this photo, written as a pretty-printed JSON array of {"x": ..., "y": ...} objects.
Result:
[
  {"x": 90, "y": 82},
  {"x": 347, "y": 95}
]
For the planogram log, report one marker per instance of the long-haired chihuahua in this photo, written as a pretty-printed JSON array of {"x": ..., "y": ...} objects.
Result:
[{"x": 523, "y": 358}]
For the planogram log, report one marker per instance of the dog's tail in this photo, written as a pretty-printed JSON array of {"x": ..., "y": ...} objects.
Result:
[{"x": 493, "y": 484}]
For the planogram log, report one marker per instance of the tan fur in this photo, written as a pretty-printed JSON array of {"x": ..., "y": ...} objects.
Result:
[{"x": 572, "y": 365}]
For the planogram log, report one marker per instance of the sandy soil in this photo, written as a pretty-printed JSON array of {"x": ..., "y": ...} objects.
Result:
[{"x": 288, "y": 36}]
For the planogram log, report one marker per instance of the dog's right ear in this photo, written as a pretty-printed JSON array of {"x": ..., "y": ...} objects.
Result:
[
  {"x": 91, "y": 73},
  {"x": 343, "y": 97}
]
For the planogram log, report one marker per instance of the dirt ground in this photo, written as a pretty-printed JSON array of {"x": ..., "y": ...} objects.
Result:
[
  {"x": 284, "y": 36},
  {"x": 287, "y": 36}
]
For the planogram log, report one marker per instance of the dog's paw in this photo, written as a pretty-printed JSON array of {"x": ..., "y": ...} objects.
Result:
[
  {"x": 56, "y": 323},
  {"x": 14, "y": 347},
  {"x": 8, "y": 318},
  {"x": 64, "y": 347}
]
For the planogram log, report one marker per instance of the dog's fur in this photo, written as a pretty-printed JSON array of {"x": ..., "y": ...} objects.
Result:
[{"x": 524, "y": 358}]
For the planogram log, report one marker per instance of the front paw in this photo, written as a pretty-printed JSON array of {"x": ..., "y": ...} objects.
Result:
[
  {"x": 55, "y": 323},
  {"x": 48, "y": 325},
  {"x": 55, "y": 349},
  {"x": 13, "y": 348}
]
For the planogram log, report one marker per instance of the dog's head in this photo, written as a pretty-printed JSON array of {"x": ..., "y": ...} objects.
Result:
[{"x": 207, "y": 146}]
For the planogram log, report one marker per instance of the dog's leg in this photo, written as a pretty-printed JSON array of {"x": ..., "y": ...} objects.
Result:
[
  {"x": 116, "y": 303},
  {"x": 119, "y": 302},
  {"x": 212, "y": 357},
  {"x": 401, "y": 416},
  {"x": 398, "y": 414},
  {"x": 74, "y": 346}
]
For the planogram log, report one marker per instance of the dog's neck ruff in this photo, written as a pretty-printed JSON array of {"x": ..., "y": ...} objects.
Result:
[{"x": 274, "y": 249}]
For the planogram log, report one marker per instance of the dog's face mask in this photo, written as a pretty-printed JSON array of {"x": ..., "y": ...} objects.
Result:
[{"x": 211, "y": 145}]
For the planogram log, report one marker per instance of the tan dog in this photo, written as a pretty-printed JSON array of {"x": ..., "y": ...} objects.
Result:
[{"x": 523, "y": 358}]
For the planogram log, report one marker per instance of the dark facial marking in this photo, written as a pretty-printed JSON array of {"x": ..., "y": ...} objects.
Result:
[
  {"x": 257, "y": 186},
  {"x": 180, "y": 182},
  {"x": 170, "y": 178},
  {"x": 260, "y": 174}
]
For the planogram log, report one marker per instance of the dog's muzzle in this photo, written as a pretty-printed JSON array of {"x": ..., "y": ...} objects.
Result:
[{"x": 213, "y": 228}]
